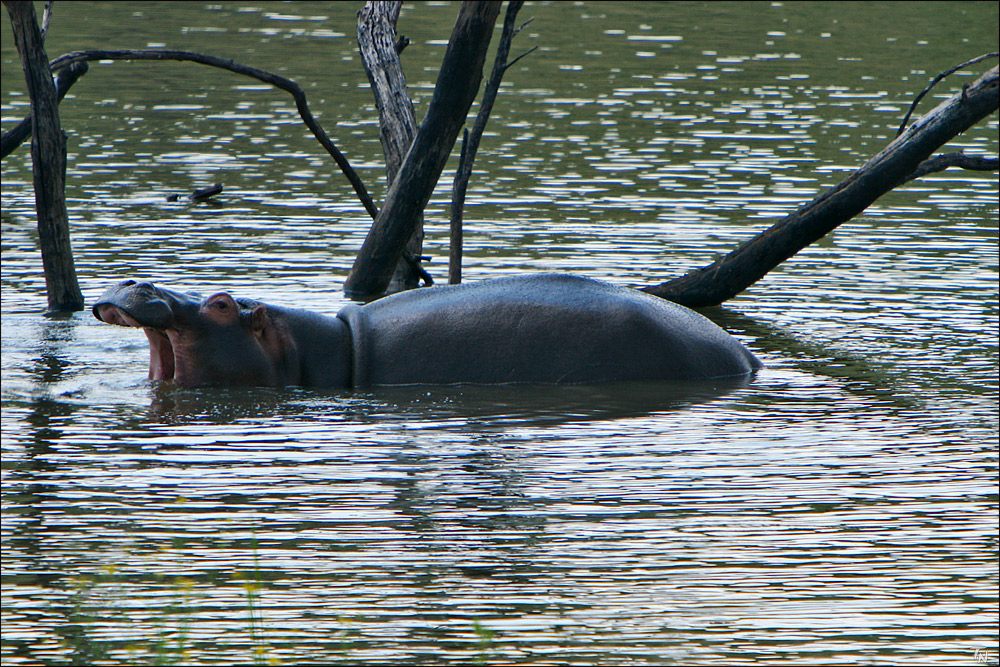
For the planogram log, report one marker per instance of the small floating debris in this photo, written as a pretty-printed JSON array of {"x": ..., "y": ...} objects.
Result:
[{"x": 198, "y": 196}]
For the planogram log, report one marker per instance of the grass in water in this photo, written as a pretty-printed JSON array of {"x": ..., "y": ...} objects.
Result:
[
  {"x": 255, "y": 619},
  {"x": 102, "y": 607}
]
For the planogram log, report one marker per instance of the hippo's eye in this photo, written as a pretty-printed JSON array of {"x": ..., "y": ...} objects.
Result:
[{"x": 220, "y": 304}]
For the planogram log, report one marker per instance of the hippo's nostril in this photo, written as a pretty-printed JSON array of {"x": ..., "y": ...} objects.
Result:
[{"x": 126, "y": 283}]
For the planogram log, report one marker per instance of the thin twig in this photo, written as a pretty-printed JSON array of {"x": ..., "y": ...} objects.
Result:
[
  {"x": 414, "y": 262},
  {"x": 933, "y": 83},
  {"x": 275, "y": 80},
  {"x": 511, "y": 63},
  {"x": 455, "y": 226},
  {"x": 469, "y": 147}
]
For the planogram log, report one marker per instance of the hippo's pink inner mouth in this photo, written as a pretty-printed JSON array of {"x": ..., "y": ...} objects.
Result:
[
  {"x": 161, "y": 355},
  {"x": 161, "y": 352}
]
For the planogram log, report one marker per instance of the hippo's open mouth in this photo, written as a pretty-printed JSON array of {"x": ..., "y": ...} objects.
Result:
[{"x": 162, "y": 363}]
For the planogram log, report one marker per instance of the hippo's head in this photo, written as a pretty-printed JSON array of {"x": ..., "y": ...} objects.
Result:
[{"x": 193, "y": 341}]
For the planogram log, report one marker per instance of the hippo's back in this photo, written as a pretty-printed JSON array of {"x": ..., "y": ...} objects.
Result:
[{"x": 536, "y": 328}]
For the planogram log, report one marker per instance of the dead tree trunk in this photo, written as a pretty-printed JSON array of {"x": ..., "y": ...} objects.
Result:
[
  {"x": 48, "y": 158},
  {"x": 456, "y": 88},
  {"x": 730, "y": 275},
  {"x": 380, "y": 51}
]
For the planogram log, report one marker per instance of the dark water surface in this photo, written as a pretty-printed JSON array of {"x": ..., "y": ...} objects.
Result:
[{"x": 842, "y": 508}]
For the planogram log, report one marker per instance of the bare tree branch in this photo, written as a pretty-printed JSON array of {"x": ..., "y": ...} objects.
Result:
[
  {"x": 961, "y": 160},
  {"x": 47, "y": 17},
  {"x": 458, "y": 188},
  {"x": 934, "y": 82},
  {"x": 470, "y": 141},
  {"x": 728, "y": 276},
  {"x": 456, "y": 88},
  {"x": 377, "y": 46},
  {"x": 526, "y": 53},
  {"x": 18, "y": 134},
  {"x": 275, "y": 80}
]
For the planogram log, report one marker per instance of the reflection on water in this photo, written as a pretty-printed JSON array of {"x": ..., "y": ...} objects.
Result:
[
  {"x": 839, "y": 508},
  {"x": 379, "y": 527},
  {"x": 439, "y": 405}
]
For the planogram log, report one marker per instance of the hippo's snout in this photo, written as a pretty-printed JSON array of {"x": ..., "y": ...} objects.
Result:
[
  {"x": 110, "y": 314},
  {"x": 135, "y": 304},
  {"x": 145, "y": 306}
]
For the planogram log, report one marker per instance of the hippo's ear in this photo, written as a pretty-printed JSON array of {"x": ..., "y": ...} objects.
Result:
[{"x": 258, "y": 318}]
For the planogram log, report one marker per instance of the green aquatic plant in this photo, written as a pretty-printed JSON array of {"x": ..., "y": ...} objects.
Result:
[
  {"x": 255, "y": 619},
  {"x": 486, "y": 636},
  {"x": 170, "y": 647},
  {"x": 105, "y": 627}
]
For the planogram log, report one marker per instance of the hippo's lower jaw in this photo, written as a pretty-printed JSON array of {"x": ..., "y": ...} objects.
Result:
[{"x": 162, "y": 363}]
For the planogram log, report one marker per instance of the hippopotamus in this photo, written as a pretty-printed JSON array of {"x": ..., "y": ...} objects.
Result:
[{"x": 533, "y": 328}]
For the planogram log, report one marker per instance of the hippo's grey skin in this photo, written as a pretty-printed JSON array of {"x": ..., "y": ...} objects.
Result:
[{"x": 534, "y": 328}]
